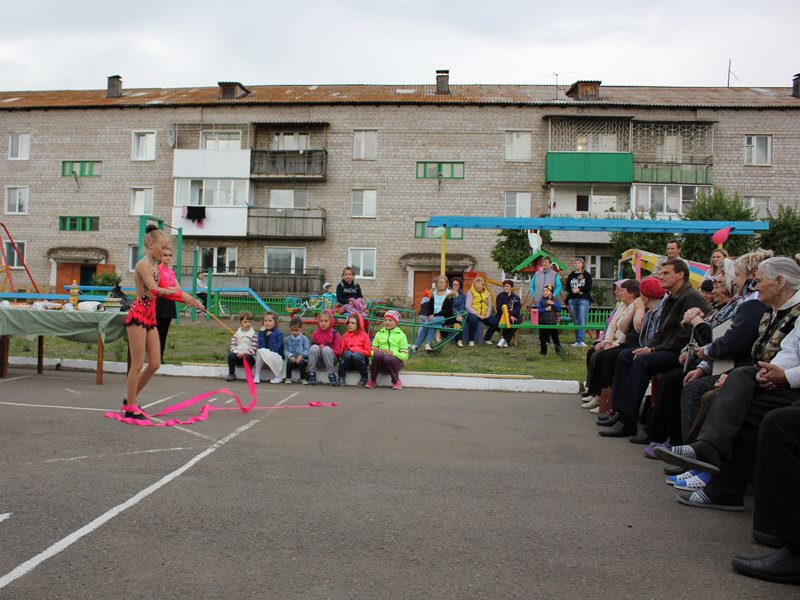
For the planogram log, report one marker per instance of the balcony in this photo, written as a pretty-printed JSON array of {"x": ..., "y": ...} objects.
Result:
[
  {"x": 694, "y": 171},
  {"x": 286, "y": 223},
  {"x": 589, "y": 167},
  {"x": 292, "y": 284},
  {"x": 288, "y": 164}
]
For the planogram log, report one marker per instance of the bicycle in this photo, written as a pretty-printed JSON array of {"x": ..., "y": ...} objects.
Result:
[
  {"x": 223, "y": 311},
  {"x": 311, "y": 305}
]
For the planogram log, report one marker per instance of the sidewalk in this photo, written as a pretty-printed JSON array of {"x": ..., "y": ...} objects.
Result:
[{"x": 411, "y": 379}]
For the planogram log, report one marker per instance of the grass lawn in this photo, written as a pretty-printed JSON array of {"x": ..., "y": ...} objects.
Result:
[{"x": 207, "y": 343}]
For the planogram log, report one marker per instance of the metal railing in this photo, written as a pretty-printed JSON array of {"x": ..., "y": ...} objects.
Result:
[
  {"x": 305, "y": 223},
  {"x": 310, "y": 164}
]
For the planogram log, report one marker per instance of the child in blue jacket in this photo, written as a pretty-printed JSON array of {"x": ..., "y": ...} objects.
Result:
[
  {"x": 270, "y": 349},
  {"x": 549, "y": 308},
  {"x": 296, "y": 347}
]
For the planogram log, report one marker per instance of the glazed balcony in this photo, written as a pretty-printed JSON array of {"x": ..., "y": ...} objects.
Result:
[
  {"x": 286, "y": 223},
  {"x": 288, "y": 164}
]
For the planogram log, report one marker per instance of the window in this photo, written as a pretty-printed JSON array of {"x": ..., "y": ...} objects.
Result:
[
  {"x": 14, "y": 259},
  {"x": 221, "y": 140},
  {"x": 141, "y": 201},
  {"x": 363, "y": 261},
  {"x": 219, "y": 260},
  {"x": 517, "y": 204},
  {"x": 16, "y": 200},
  {"x": 133, "y": 257},
  {"x": 85, "y": 168},
  {"x": 596, "y": 142},
  {"x": 582, "y": 202},
  {"x": 365, "y": 144},
  {"x": 289, "y": 141},
  {"x": 518, "y": 145},
  {"x": 364, "y": 203},
  {"x": 19, "y": 146},
  {"x": 288, "y": 198},
  {"x": 601, "y": 267},
  {"x": 758, "y": 149},
  {"x": 78, "y": 223},
  {"x": 445, "y": 170},
  {"x": 760, "y": 204},
  {"x": 674, "y": 199},
  {"x": 144, "y": 145},
  {"x": 421, "y": 230},
  {"x": 211, "y": 192},
  {"x": 285, "y": 260}
]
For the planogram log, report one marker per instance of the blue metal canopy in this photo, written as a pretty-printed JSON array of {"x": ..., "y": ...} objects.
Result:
[{"x": 609, "y": 225}]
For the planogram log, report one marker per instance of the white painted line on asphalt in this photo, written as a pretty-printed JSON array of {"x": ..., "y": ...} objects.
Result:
[
  {"x": 185, "y": 430},
  {"x": 105, "y": 454},
  {"x": 159, "y": 401},
  {"x": 73, "y": 392},
  {"x": 52, "y": 460},
  {"x": 5, "y": 516},
  {"x": 63, "y": 544},
  {"x": 229, "y": 400},
  {"x": 14, "y": 378},
  {"x": 212, "y": 399},
  {"x": 51, "y": 406}
]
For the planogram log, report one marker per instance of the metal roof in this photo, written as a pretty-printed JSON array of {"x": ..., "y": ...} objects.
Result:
[{"x": 605, "y": 225}]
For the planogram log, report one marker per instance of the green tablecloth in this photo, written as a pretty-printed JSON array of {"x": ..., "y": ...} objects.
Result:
[{"x": 77, "y": 326}]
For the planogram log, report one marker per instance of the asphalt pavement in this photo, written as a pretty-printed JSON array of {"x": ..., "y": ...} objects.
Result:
[{"x": 391, "y": 494}]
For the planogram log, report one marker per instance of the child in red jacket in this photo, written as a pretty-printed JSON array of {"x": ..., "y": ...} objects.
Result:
[
  {"x": 326, "y": 348},
  {"x": 356, "y": 349}
]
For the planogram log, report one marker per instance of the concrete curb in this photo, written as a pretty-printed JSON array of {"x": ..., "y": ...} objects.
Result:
[{"x": 411, "y": 379}]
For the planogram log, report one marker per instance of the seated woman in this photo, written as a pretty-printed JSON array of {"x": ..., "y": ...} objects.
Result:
[
  {"x": 439, "y": 310},
  {"x": 479, "y": 308},
  {"x": 513, "y": 303}
]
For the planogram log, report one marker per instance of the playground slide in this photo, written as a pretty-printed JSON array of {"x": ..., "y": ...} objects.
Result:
[{"x": 641, "y": 259}]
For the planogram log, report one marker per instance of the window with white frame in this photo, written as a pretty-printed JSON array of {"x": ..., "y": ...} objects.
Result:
[
  {"x": 365, "y": 144},
  {"x": 142, "y": 201},
  {"x": 211, "y": 192},
  {"x": 758, "y": 149},
  {"x": 518, "y": 145},
  {"x": 363, "y": 261},
  {"x": 16, "y": 200},
  {"x": 19, "y": 146},
  {"x": 144, "y": 145},
  {"x": 760, "y": 204},
  {"x": 288, "y": 198},
  {"x": 15, "y": 258},
  {"x": 600, "y": 267},
  {"x": 285, "y": 260},
  {"x": 220, "y": 259},
  {"x": 517, "y": 204},
  {"x": 289, "y": 141},
  {"x": 364, "y": 203},
  {"x": 674, "y": 199},
  {"x": 133, "y": 257},
  {"x": 221, "y": 140}
]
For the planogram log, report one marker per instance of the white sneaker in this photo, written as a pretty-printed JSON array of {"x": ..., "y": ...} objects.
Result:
[
  {"x": 471, "y": 344},
  {"x": 502, "y": 343},
  {"x": 288, "y": 381},
  {"x": 428, "y": 348},
  {"x": 595, "y": 410},
  {"x": 276, "y": 380},
  {"x": 413, "y": 348},
  {"x": 576, "y": 345},
  {"x": 460, "y": 344},
  {"x": 581, "y": 344},
  {"x": 304, "y": 381},
  {"x": 256, "y": 380},
  {"x": 488, "y": 342},
  {"x": 591, "y": 403}
]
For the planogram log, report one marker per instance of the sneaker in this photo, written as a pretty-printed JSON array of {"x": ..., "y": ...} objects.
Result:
[
  {"x": 471, "y": 344},
  {"x": 594, "y": 402},
  {"x": 682, "y": 477},
  {"x": 276, "y": 380},
  {"x": 413, "y": 348},
  {"x": 397, "y": 385},
  {"x": 697, "y": 482},
  {"x": 502, "y": 343},
  {"x": 332, "y": 379},
  {"x": 460, "y": 344},
  {"x": 362, "y": 382},
  {"x": 288, "y": 381},
  {"x": 581, "y": 344},
  {"x": 256, "y": 380},
  {"x": 341, "y": 380},
  {"x": 488, "y": 342},
  {"x": 370, "y": 384},
  {"x": 428, "y": 348},
  {"x": 595, "y": 410},
  {"x": 312, "y": 379},
  {"x": 576, "y": 345},
  {"x": 231, "y": 377},
  {"x": 304, "y": 381}
]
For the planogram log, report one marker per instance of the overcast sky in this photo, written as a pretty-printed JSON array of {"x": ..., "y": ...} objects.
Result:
[{"x": 175, "y": 43}]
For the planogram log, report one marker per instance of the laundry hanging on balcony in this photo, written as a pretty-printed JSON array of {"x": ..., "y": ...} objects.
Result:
[{"x": 196, "y": 214}]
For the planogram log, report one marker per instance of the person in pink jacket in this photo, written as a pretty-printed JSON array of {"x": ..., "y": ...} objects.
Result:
[
  {"x": 326, "y": 347},
  {"x": 356, "y": 349}
]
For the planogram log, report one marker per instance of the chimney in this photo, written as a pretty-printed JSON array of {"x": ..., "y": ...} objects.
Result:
[
  {"x": 584, "y": 90},
  {"x": 231, "y": 90},
  {"x": 114, "y": 89},
  {"x": 443, "y": 81},
  {"x": 796, "y": 86}
]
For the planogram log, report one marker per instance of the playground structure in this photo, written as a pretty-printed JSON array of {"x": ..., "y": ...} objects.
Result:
[{"x": 641, "y": 259}]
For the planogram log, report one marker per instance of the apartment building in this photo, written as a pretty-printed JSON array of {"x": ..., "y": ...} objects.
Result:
[{"x": 279, "y": 187}]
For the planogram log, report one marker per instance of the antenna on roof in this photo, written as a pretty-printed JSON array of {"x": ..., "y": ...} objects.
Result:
[{"x": 731, "y": 73}]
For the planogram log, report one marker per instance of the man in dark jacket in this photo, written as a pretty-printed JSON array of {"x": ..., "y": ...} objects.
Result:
[
  {"x": 509, "y": 299},
  {"x": 635, "y": 367}
]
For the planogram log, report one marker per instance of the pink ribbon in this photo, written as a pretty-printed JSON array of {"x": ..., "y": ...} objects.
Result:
[{"x": 207, "y": 408}]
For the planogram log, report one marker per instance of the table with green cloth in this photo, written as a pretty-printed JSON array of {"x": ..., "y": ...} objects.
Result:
[{"x": 77, "y": 326}]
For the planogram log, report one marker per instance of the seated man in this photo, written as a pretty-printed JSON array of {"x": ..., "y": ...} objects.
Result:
[
  {"x": 776, "y": 518},
  {"x": 635, "y": 367},
  {"x": 726, "y": 442}
]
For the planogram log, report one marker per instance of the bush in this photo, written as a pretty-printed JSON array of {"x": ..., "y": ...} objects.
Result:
[{"x": 106, "y": 279}]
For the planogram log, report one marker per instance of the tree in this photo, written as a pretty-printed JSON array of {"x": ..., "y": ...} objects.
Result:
[
  {"x": 717, "y": 206},
  {"x": 783, "y": 234},
  {"x": 512, "y": 247}
]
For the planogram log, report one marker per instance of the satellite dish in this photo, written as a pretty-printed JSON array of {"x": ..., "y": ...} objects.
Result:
[{"x": 171, "y": 138}]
